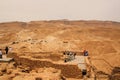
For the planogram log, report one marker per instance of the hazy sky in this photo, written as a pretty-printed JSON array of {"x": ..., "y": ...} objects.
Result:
[{"x": 29, "y": 10}]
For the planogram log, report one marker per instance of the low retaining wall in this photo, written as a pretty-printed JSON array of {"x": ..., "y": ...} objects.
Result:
[{"x": 69, "y": 71}]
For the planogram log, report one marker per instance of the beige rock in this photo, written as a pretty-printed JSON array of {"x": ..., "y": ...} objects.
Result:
[
  {"x": 3, "y": 67},
  {"x": 11, "y": 65},
  {"x": 33, "y": 71},
  {"x": 5, "y": 77},
  {"x": 9, "y": 71},
  {"x": 1, "y": 73},
  {"x": 39, "y": 70}
]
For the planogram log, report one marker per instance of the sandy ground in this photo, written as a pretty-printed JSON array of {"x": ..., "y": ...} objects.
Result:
[{"x": 47, "y": 39}]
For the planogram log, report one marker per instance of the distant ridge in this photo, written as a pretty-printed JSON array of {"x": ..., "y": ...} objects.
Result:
[{"x": 64, "y": 20}]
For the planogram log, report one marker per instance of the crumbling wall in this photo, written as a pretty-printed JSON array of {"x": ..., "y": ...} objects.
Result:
[{"x": 69, "y": 71}]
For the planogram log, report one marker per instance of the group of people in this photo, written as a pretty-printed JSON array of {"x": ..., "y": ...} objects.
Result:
[{"x": 6, "y": 51}]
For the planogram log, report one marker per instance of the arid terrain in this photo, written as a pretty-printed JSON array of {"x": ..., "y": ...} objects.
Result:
[{"x": 37, "y": 48}]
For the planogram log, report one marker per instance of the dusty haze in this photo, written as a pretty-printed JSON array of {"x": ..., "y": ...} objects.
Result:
[{"x": 29, "y": 10}]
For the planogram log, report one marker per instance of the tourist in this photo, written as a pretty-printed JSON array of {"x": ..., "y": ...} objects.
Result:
[
  {"x": 6, "y": 49},
  {"x": 10, "y": 49},
  {"x": 74, "y": 55},
  {"x": 85, "y": 53},
  {"x": 0, "y": 53},
  {"x": 84, "y": 72}
]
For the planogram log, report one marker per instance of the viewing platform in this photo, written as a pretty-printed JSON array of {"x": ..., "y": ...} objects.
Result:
[{"x": 5, "y": 59}]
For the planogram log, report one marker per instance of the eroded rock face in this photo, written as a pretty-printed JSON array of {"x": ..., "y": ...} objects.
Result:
[
  {"x": 9, "y": 72},
  {"x": 70, "y": 71}
]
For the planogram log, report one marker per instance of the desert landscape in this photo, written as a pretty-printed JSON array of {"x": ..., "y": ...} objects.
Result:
[{"x": 38, "y": 46}]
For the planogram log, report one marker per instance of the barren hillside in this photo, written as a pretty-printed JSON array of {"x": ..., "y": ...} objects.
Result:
[{"x": 45, "y": 39}]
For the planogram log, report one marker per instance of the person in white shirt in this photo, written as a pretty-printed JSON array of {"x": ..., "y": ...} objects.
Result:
[{"x": 0, "y": 53}]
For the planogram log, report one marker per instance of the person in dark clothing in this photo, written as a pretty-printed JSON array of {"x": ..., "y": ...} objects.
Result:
[
  {"x": 0, "y": 53},
  {"x": 85, "y": 53},
  {"x": 84, "y": 72},
  {"x": 6, "y": 49}
]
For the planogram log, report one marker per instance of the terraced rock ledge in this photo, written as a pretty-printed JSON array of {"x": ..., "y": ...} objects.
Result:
[{"x": 67, "y": 70}]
